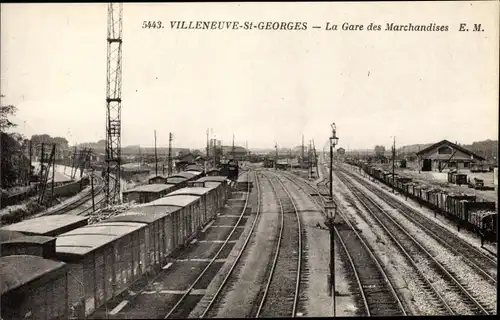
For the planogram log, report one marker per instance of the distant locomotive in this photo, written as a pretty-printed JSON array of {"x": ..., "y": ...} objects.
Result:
[{"x": 229, "y": 168}]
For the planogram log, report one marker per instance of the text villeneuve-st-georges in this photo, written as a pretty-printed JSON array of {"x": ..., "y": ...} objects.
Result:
[{"x": 302, "y": 26}]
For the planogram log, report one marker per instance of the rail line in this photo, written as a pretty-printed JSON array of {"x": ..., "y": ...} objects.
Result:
[
  {"x": 216, "y": 295},
  {"x": 376, "y": 290},
  {"x": 414, "y": 252},
  {"x": 191, "y": 287},
  {"x": 72, "y": 205},
  {"x": 285, "y": 274},
  {"x": 469, "y": 254}
]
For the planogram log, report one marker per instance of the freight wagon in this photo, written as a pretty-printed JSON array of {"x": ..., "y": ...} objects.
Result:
[
  {"x": 465, "y": 209},
  {"x": 98, "y": 262}
]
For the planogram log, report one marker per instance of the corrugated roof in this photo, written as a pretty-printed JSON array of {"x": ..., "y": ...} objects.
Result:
[
  {"x": 191, "y": 191},
  {"x": 154, "y": 187},
  {"x": 89, "y": 238},
  {"x": 18, "y": 270},
  {"x": 179, "y": 200},
  {"x": 45, "y": 224}
]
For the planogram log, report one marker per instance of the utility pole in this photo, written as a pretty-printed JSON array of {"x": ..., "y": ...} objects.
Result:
[
  {"x": 276, "y": 157},
  {"x": 29, "y": 168},
  {"x": 206, "y": 159},
  {"x": 309, "y": 153},
  {"x": 42, "y": 155},
  {"x": 234, "y": 159},
  {"x": 393, "y": 159},
  {"x": 418, "y": 159},
  {"x": 315, "y": 159},
  {"x": 248, "y": 151},
  {"x": 169, "y": 165},
  {"x": 53, "y": 175},
  {"x": 92, "y": 186},
  {"x": 113, "y": 104},
  {"x": 73, "y": 165},
  {"x": 156, "y": 158},
  {"x": 302, "y": 159}
]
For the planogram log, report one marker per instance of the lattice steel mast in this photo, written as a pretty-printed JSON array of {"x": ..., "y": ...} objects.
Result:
[{"x": 113, "y": 104}]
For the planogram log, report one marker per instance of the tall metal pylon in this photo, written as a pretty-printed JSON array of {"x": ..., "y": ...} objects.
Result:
[{"x": 113, "y": 104}]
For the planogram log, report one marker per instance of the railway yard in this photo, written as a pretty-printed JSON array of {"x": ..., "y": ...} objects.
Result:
[{"x": 257, "y": 246}]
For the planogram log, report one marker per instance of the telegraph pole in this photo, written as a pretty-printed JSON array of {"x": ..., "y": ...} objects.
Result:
[
  {"x": 206, "y": 160},
  {"x": 156, "y": 158},
  {"x": 29, "y": 168},
  {"x": 309, "y": 153},
  {"x": 53, "y": 174},
  {"x": 393, "y": 159},
  {"x": 302, "y": 159},
  {"x": 233, "y": 148},
  {"x": 170, "y": 137},
  {"x": 276, "y": 157}
]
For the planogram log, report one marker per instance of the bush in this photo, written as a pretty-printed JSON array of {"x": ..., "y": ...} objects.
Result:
[{"x": 20, "y": 214}]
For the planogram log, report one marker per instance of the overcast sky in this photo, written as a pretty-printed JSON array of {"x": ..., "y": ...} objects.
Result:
[{"x": 263, "y": 86}]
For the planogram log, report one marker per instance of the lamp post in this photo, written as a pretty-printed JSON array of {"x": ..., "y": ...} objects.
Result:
[
  {"x": 333, "y": 141},
  {"x": 331, "y": 210}
]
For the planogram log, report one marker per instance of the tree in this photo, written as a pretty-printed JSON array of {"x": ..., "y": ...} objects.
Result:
[
  {"x": 5, "y": 112},
  {"x": 10, "y": 150},
  {"x": 379, "y": 150}
]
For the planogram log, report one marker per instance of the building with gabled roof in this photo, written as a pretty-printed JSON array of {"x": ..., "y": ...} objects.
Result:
[{"x": 447, "y": 155}]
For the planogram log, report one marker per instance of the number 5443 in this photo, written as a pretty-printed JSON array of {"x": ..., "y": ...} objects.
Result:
[{"x": 152, "y": 25}]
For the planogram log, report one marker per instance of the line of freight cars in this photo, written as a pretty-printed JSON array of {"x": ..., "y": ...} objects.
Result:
[
  {"x": 105, "y": 258},
  {"x": 478, "y": 216}
]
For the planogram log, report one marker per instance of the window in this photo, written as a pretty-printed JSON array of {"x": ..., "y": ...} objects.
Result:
[
  {"x": 445, "y": 150},
  {"x": 466, "y": 164}
]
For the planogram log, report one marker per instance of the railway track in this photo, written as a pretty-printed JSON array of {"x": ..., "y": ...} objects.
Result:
[
  {"x": 178, "y": 306},
  {"x": 449, "y": 288},
  {"x": 483, "y": 264},
  {"x": 70, "y": 206},
  {"x": 375, "y": 289},
  {"x": 281, "y": 293}
]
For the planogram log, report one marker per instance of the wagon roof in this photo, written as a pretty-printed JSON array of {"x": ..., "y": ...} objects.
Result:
[
  {"x": 154, "y": 187},
  {"x": 213, "y": 179},
  {"x": 89, "y": 238},
  {"x": 178, "y": 200},
  {"x": 45, "y": 224},
  {"x": 18, "y": 270},
  {"x": 196, "y": 173},
  {"x": 176, "y": 179},
  {"x": 184, "y": 174},
  {"x": 197, "y": 191},
  {"x": 194, "y": 167}
]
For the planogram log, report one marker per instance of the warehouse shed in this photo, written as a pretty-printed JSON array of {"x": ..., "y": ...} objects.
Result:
[
  {"x": 51, "y": 226},
  {"x": 33, "y": 287},
  {"x": 447, "y": 155}
]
